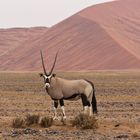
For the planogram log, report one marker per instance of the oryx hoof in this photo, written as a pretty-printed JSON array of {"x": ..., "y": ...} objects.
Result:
[
  {"x": 63, "y": 120},
  {"x": 64, "y": 117},
  {"x": 55, "y": 118}
]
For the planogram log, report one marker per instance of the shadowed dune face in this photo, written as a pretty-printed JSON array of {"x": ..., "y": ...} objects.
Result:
[{"x": 101, "y": 37}]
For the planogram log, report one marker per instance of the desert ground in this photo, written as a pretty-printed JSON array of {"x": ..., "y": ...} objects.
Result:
[{"x": 118, "y": 102}]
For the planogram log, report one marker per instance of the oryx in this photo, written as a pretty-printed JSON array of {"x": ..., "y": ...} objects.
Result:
[{"x": 60, "y": 89}]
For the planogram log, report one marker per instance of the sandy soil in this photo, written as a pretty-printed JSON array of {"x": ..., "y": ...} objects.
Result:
[{"x": 118, "y": 96}]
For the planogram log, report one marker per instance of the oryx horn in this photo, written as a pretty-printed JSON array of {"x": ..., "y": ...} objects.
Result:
[
  {"x": 54, "y": 63},
  {"x": 43, "y": 63}
]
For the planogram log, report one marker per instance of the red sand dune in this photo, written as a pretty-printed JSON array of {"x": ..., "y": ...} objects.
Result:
[{"x": 101, "y": 37}]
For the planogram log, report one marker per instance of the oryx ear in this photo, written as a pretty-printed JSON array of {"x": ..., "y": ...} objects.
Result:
[
  {"x": 53, "y": 75},
  {"x": 41, "y": 74}
]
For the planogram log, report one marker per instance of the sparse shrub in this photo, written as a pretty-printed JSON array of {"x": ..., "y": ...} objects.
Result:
[
  {"x": 84, "y": 121},
  {"x": 46, "y": 122},
  {"x": 135, "y": 134},
  {"x": 17, "y": 123},
  {"x": 31, "y": 119}
]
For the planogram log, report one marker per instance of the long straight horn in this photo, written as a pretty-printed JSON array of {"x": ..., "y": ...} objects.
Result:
[
  {"x": 54, "y": 63},
  {"x": 43, "y": 63}
]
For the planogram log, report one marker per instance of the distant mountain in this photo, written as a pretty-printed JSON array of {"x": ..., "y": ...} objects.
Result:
[
  {"x": 101, "y": 37},
  {"x": 12, "y": 41}
]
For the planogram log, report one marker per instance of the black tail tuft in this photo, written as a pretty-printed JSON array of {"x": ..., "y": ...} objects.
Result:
[{"x": 94, "y": 102}]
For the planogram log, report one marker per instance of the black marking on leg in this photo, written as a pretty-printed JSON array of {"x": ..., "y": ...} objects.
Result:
[
  {"x": 55, "y": 104},
  {"x": 88, "y": 103},
  {"x": 61, "y": 101},
  {"x": 84, "y": 99}
]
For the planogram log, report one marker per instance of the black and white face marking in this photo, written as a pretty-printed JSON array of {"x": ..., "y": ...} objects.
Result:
[{"x": 47, "y": 80}]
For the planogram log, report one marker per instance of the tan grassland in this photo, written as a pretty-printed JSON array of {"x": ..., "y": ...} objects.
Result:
[{"x": 118, "y": 98}]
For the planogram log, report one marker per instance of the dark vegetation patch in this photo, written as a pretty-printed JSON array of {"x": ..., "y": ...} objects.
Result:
[
  {"x": 32, "y": 119},
  {"x": 18, "y": 123},
  {"x": 84, "y": 121},
  {"x": 46, "y": 122}
]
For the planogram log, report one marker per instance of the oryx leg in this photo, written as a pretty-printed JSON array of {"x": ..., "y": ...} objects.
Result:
[
  {"x": 89, "y": 104},
  {"x": 89, "y": 100},
  {"x": 93, "y": 103},
  {"x": 55, "y": 109},
  {"x": 90, "y": 110},
  {"x": 89, "y": 94},
  {"x": 85, "y": 103},
  {"x": 61, "y": 101}
]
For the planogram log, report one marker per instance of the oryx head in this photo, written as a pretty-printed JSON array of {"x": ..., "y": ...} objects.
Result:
[{"x": 47, "y": 76}]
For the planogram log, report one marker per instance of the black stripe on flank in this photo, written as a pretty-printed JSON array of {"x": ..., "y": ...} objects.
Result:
[{"x": 73, "y": 96}]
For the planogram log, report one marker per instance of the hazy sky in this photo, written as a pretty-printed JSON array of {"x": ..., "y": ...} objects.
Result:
[{"x": 30, "y": 13}]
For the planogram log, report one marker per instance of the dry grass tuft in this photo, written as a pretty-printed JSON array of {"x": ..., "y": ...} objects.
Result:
[
  {"x": 135, "y": 133},
  {"x": 84, "y": 121},
  {"x": 31, "y": 119},
  {"x": 46, "y": 122},
  {"x": 18, "y": 123}
]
